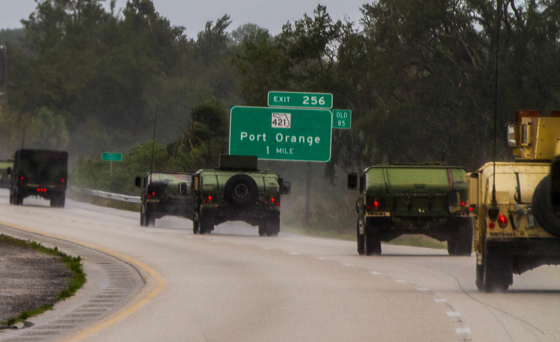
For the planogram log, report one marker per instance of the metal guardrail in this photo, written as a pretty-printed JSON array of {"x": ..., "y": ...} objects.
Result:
[{"x": 109, "y": 195}]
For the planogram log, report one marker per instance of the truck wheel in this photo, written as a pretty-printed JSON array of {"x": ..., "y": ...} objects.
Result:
[
  {"x": 547, "y": 218},
  {"x": 53, "y": 201},
  {"x": 241, "y": 191},
  {"x": 62, "y": 200},
  {"x": 460, "y": 243},
  {"x": 195, "y": 226},
  {"x": 11, "y": 197},
  {"x": 263, "y": 227},
  {"x": 18, "y": 198},
  {"x": 480, "y": 277},
  {"x": 206, "y": 224},
  {"x": 498, "y": 273},
  {"x": 273, "y": 226},
  {"x": 372, "y": 243},
  {"x": 143, "y": 218},
  {"x": 360, "y": 240}
]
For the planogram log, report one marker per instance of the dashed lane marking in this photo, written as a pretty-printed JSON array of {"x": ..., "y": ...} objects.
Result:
[
  {"x": 375, "y": 273},
  {"x": 440, "y": 300},
  {"x": 463, "y": 331},
  {"x": 453, "y": 314}
]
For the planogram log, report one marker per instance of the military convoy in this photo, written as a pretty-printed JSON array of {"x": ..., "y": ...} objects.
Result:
[
  {"x": 238, "y": 191},
  {"x": 424, "y": 199},
  {"x": 516, "y": 205},
  {"x": 42, "y": 173},
  {"x": 164, "y": 193},
  {"x": 235, "y": 191}
]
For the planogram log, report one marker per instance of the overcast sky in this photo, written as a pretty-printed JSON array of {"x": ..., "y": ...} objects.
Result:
[{"x": 193, "y": 15}]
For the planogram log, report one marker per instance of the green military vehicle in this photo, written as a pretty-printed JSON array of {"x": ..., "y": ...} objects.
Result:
[
  {"x": 164, "y": 193},
  {"x": 517, "y": 211},
  {"x": 41, "y": 173},
  {"x": 4, "y": 176},
  {"x": 424, "y": 199},
  {"x": 238, "y": 191}
]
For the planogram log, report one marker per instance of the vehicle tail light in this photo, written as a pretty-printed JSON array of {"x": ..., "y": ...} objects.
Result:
[
  {"x": 372, "y": 203},
  {"x": 21, "y": 180},
  {"x": 207, "y": 198},
  {"x": 274, "y": 201},
  {"x": 502, "y": 221},
  {"x": 491, "y": 225}
]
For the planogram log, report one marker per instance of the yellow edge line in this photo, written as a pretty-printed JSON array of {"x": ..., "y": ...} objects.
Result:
[{"x": 105, "y": 324}]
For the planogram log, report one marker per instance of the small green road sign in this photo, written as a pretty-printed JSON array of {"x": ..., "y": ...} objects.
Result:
[
  {"x": 304, "y": 100},
  {"x": 111, "y": 156},
  {"x": 281, "y": 133},
  {"x": 342, "y": 118}
]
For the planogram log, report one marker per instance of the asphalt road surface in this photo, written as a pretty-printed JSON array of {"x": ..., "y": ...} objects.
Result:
[{"x": 233, "y": 285}]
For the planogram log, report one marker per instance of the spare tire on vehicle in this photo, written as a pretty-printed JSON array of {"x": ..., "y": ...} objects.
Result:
[
  {"x": 547, "y": 218},
  {"x": 241, "y": 191}
]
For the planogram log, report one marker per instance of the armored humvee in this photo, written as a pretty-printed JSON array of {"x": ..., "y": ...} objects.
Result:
[
  {"x": 164, "y": 193},
  {"x": 424, "y": 199},
  {"x": 42, "y": 173},
  {"x": 516, "y": 228},
  {"x": 238, "y": 191},
  {"x": 4, "y": 176}
]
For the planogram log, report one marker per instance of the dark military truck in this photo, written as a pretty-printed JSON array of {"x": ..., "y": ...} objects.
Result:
[
  {"x": 164, "y": 193},
  {"x": 238, "y": 191},
  {"x": 4, "y": 176},
  {"x": 42, "y": 173},
  {"x": 424, "y": 199}
]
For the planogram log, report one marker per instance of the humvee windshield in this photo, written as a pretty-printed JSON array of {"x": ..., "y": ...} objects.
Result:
[{"x": 169, "y": 179}]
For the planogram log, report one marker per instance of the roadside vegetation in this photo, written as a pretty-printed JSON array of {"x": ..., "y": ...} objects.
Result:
[
  {"x": 418, "y": 76},
  {"x": 74, "y": 264}
]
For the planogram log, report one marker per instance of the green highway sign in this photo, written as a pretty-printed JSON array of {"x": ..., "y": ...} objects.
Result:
[
  {"x": 281, "y": 133},
  {"x": 304, "y": 100},
  {"x": 342, "y": 118},
  {"x": 111, "y": 156}
]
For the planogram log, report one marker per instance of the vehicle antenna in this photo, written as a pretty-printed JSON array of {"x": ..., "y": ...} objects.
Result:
[
  {"x": 493, "y": 210},
  {"x": 154, "y": 140}
]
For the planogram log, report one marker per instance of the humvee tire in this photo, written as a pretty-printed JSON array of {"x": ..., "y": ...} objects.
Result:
[
  {"x": 241, "y": 191},
  {"x": 272, "y": 226},
  {"x": 461, "y": 242},
  {"x": 372, "y": 241},
  {"x": 195, "y": 226},
  {"x": 206, "y": 224},
  {"x": 360, "y": 240},
  {"x": 498, "y": 273},
  {"x": 547, "y": 218},
  {"x": 263, "y": 227}
]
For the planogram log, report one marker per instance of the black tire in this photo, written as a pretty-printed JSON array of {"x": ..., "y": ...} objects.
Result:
[
  {"x": 11, "y": 198},
  {"x": 498, "y": 273},
  {"x": 372, "y": 242},
  {"x": 241, "y": 191},
  {"x": 480, "y": 277},
  {"x": 62, "y": 200},
  {"x": 460, "y": 242},
  {"x": 206, "y": 224},
  {"x": 195, "y": 226},
  {"x": 263, "y": 227},
  {"x": 273, "y": 226},
  {"x": 360, "y": 240},
  {"x": 143, "y": 218},
  {"x": 18, "y": 198},
  {"x": 547, "y": 218}
]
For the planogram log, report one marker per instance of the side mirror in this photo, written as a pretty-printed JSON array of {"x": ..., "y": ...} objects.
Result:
[
  {"x": 184, "y": 188},
  {"x": 352, "y": 181},
  {"x": 454, "y": 204},
  {"x": 286, "y": 188},
  {"x": 513, "y": 135},
  {"x": 555, "y": 185},
  {"x": 138, "y": 182},
  {"x": 9, "y": 170}
]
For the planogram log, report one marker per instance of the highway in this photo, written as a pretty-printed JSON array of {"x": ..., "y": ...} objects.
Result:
[{"x": 233, "y": 285}]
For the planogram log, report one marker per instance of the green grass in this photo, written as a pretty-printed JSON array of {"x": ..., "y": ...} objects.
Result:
[{"x": 74, "y": 264}]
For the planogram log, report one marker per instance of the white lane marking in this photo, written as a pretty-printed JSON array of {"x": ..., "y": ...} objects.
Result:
[
  {"x": 376, "y": 273},
  {"x": 463, "y": 331},
  {"x": 348, "y": 265},
  {"x": 423, "y": 289},
  {"x": 453, "y": 313},
  {"x": 265, "y": 247},
  {"x": 440, "y": 300},
  {"x": 320, "y": 258},
  {"x": 400, "y": 281},
  {"x": 294, "y": 253}
]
